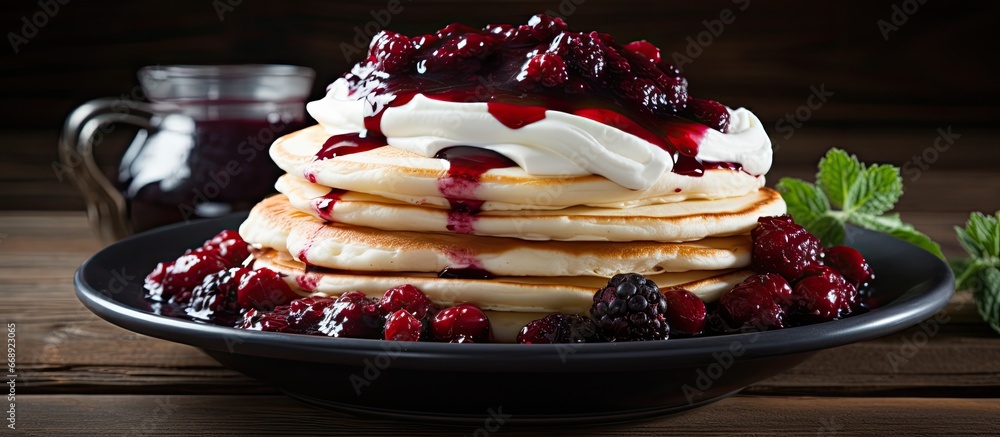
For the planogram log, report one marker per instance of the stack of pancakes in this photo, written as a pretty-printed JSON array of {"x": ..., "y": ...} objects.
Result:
[{"x": 376, "y": 219}]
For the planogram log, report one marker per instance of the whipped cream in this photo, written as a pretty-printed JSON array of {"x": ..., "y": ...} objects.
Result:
[{"x": 561, "y": 144}]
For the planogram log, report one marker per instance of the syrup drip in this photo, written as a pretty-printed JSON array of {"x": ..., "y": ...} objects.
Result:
[
  {"x": 467, "y": 165},
  {"x": 307, "y": 282},
  {"x": 323, "y": 205},
  {"x": 349, "y": 143}
]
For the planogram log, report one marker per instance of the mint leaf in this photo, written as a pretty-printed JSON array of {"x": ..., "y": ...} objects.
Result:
[
  {"x": 969, "y": 243},
  {"x": 882, "y": 188},
  {"x": 828, "y": 229},
  {"x": 838, "y": 172},
  {"x": 809, "y": 206},
  {"x": 988, "y": 297},
  {"x": 891, "y": 224},
  {"x": 805, "y": 201},
  {"x": 963, "y": 268},
  {"x": 983, "y": 232},
  {"x": 981, "y": 272},
  {"x": 863, "y": 193}
]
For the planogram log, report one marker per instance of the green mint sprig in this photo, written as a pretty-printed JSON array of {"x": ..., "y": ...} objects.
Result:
[
  {"x": 981, "y": 271},
  {"x": 862, "y": 195}
]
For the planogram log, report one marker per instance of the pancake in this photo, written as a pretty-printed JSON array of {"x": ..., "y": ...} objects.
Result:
[
  {"x": 538, "y": 294},
  {"x": 347, "y": 247},
  {"x": 671, "y": 222},
  {"x": 409, "y": 177}
]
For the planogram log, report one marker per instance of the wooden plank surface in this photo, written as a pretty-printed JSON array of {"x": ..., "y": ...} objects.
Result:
[{"x": 270, "y": 415}]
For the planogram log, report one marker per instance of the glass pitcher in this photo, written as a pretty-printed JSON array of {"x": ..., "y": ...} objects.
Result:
[{"x": 201, "y": 148}]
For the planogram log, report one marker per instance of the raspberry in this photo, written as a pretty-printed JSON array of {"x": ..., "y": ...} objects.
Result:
[
  {"x": 617, "y": 64},
  {"x": 271, "y": 321},
  {"x": 783, "y": 247},
  {"x": 391, "y": 52},
  {"x": 227, "y": 245},
  {"x": 459, "y": 52},
  {"x": 305, "y": 314},
  {"x": 849, "y": 262},
  {"x": 409, "y": 298},
  {"x": 685, "y": 312},
  {"x": 402, "y": 326},
  {"x": 544, "y": 27},
  {"x": 630, "y": 308},
  {"x": 215, "y": 299},
  {"x": 352, "y": 315},
  {"x": 644, "y": 48},
  {"x": 559, "y": 328},
  {"x": 264, "y": 289},
  {"x": 183, "y": 275},
  {"x": 464, "y": 323},
  {"x": 454, "y": 29},
  {"x": 154, "y": 280},
  {"x": 642, "y": 92},
  {"x": 822, "y": 294},
  {"x": 586, "y": 55},
  {"x": 708, "y": 112},
  {"x": 750, "y": 308},
  {"x": 547, "y": 69},
  {"x": 771, "y": 283}
]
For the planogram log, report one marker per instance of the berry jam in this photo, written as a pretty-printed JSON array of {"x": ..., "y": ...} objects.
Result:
[
  {"x": 349, "y": 143},
  {"x": 324, "y": 204},
  {"x": 199, "y": 169},
  {"x": 466, "y": 166},
  {"x": 523, "y": 71}
]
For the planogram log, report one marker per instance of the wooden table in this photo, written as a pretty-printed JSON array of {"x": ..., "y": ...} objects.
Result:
[{"x": 80, "y": 375}]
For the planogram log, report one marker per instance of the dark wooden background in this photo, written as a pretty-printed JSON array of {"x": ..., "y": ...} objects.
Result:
[{"x": 890, "y": 95}]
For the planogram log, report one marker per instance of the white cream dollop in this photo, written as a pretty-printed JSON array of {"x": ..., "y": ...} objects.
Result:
[{"x": 561, "y": 144}]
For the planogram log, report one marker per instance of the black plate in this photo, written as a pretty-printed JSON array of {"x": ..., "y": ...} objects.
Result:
[{"x": 488, "y": 383}]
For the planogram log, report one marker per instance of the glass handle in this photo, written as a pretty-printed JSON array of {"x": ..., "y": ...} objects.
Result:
[{"x": 106, "y": 207}]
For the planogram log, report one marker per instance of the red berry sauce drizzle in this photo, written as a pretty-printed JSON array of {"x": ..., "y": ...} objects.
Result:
[
  {"x": 466, "y": 166},
  {"x": 523, "y": 71},
  {"x": 324, "y": 204}
]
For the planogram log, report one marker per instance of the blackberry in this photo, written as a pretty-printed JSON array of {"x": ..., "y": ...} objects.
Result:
[
  {"x": 215, "y": 299},
  {"x": 272, "y": 321},
  {"x": 560, "y": 328},
  {"x": 630, "y": 308}
]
